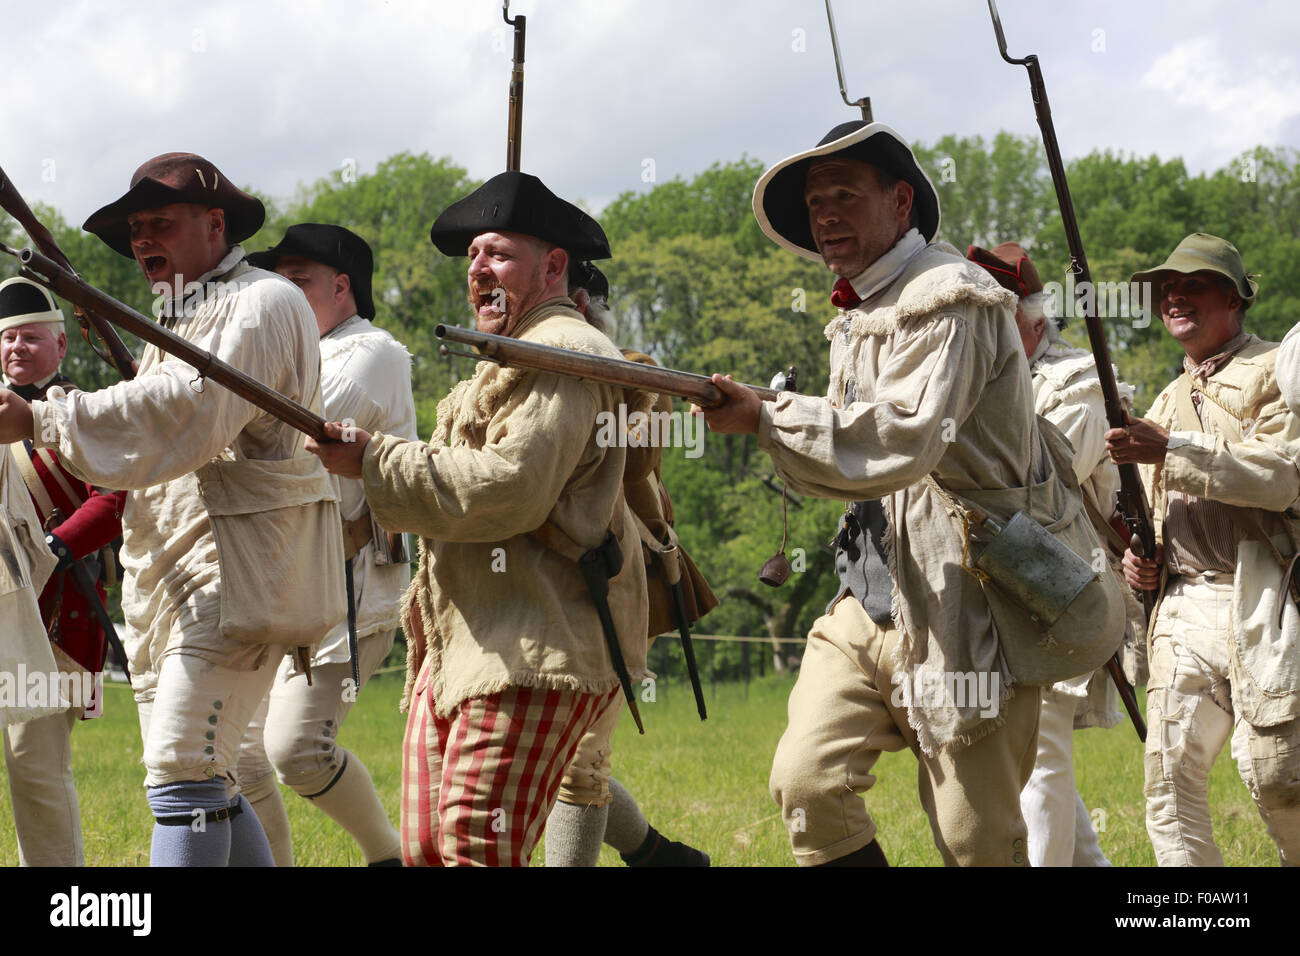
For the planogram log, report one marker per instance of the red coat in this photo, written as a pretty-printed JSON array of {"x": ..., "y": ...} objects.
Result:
[{"x": 91, "y": 521}]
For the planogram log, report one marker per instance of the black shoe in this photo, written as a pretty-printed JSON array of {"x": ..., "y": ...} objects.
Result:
[
  {"x": 391, "y": 861},
  {"x": 656, "y": 851},
  {"x": 869, "y": 855}
]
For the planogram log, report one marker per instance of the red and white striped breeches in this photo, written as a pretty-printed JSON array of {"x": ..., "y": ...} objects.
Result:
[{"x": 478, "y": 786}]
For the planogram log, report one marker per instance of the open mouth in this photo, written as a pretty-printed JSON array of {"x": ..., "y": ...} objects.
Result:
[
  {"x": 153, "y": 264},
  {"x": 489, "y": 298}
]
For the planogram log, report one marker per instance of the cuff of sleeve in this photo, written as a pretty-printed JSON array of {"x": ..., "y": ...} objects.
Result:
[
  {"x": 370, "y": 458},
  {"x": 765, "y": 412},
  {"x": 1180, "y": 439},
  {"x": 1188, "y": 461}
]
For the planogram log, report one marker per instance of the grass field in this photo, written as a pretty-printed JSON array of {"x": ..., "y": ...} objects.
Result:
[{"x": 705, "y": 784}]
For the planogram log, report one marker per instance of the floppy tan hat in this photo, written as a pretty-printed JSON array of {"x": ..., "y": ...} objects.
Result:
[
  {"x": 778, "y": 196},
  {"x": 1201, "y": 252}
]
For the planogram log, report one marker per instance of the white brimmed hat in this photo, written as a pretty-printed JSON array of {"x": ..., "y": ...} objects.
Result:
[
  {"x": 23, "y": 302},
  {"x": 778, "y": 197}
]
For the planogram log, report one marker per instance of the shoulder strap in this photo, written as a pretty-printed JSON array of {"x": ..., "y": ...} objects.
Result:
[
  {"x": 969, "y": 516},
  {"x": 52, "y": 466},
  {"x": 1251, "y": 519},
  {"x": 23, "y": 459},
  {"x": 1186, "y": 410},
  {"x": 1185, "y": 416}
]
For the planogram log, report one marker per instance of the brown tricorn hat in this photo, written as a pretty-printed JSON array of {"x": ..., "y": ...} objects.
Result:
[
  {"x": 1009, "y": 264},
  {"x": 177, "y": 177}
]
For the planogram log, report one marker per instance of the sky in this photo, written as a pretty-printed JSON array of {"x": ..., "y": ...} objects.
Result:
[{"x": 618, "y": 94}]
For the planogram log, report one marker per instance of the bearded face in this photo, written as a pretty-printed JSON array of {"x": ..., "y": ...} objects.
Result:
[{"x": 507, "y": 278}]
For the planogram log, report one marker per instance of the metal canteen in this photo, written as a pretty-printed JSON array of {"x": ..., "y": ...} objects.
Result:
[
  {"x": 776, "y": 570},
  {"x": 1039, "y": 572}
]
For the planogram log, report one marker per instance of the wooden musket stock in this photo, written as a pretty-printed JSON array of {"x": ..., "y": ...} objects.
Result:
[
  {"x": 79, "y": 292},
  {"x": 582, "y": 365}
]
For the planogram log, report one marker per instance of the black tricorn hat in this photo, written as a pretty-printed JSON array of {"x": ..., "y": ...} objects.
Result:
[
  {"x": 177, "y": 177},
  {"x": 778, "y": 196},
  {"x": 518, "y": 202},
  {"x": 22, "y": 302},
  {"x": 583, "y": 274},
  {"x": 334, "y": 246}
]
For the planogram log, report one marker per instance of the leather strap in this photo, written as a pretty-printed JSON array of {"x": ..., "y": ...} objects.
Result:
[
  {"x": 669, "y": 556},
  {"x": 1104, "y": 527},
  {"x": 356, "y": 535},
  {"x": 52, "y": 466},
  {"x": 212, "y": 816},
  {"x": 23, "y": 459},
  {"x": 1251, "y": 519},
  {"x": 549, "y": 534}
]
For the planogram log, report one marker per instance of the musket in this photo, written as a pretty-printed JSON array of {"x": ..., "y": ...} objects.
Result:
[
  {"x": 506, "y": 351},
  {"x": 1131, "y": 498},
  {"x": 863, "y": 103},
  {"x": 515, "y": 129},
  {"x": 119, "y": 356},
  {"x": 85, "y": 584},
  {"x": 76, "y": 290}
]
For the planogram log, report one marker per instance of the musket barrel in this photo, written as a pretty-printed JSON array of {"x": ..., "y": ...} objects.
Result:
[
  {"x": 81, "y": 293},
  {"x": 1131, "y": 497},
  {"x": 697, "y": 388},
  {"x": 119, "y": 356},
  {"x": 515, "y": 124}
]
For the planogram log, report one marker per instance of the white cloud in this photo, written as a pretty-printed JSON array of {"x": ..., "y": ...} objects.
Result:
[
  {"x": 281, "y": 93},
  {"x": 1244, "y": 106}
]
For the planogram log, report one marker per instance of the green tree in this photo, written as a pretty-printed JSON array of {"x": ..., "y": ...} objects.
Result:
[
  {"x": 989, "y": 194},
  {"x": 416, "y": 287},
  {"x": 716, "y": 203}
]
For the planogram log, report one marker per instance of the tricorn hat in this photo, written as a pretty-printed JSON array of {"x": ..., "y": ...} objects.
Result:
[
  {"x": 1201, "y": 252},
  {"x": 518, "y": 202},
  {"x": 23, "y": 302},
  {"x": 177, "y": 177},
  {"x": 583, "y": 274},
  {"x": 778, "y": 197},
  {"x": 1009, "y": 264},
  {"x": 334, "y": 246}
]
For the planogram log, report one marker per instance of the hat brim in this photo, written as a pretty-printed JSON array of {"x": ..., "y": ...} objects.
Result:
[
  {"x": 1185, "y": 263},
  {"x": 53, "y": 317},
  {"x": 268, "y": 259},
  {"x": 244, "y": 213},
  {"x": 518, "y": 202},
  {"x": 779, "y": 203},
  {"x": 456, "y": 244}
]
